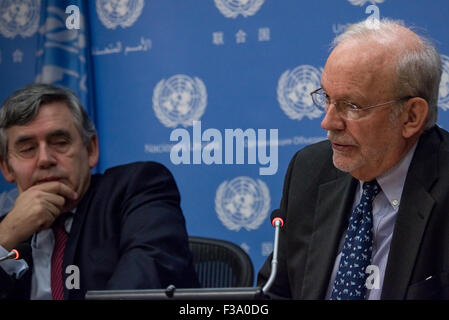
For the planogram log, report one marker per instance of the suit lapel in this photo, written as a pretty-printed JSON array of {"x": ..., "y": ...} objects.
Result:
[
  {"x": 331, "y": 218},
  {"x": 414, "y": 212},
  {"x": 75, "y": 231}
]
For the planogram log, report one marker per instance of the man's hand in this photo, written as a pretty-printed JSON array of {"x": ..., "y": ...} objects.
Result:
[{"x": 34, "y": 210}]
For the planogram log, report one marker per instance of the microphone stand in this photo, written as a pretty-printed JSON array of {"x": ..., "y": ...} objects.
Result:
[
  {"x": 172, "y": 293},
  {"x": 277, "y": 223}
]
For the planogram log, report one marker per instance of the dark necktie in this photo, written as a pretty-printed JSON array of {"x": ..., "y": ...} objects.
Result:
[
  {"x": 57, "y": 288},
  {"x": 350, "y": 281}
]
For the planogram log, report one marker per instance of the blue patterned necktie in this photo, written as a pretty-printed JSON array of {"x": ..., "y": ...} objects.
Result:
[{"x": 350, "y": 281}]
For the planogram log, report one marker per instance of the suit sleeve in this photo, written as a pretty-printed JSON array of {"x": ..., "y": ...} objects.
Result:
[
  {"x": 280, "y": 287},
  {"x": 154, "y": 250},
  {"x": 15, "y": 276}
]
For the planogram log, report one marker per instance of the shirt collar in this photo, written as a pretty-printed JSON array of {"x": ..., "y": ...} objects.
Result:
[
  {"x": 42, "y": 236},
  {"x": 392, "y": 181}
]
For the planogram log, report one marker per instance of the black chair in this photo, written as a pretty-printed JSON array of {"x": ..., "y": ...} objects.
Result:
[{"x": 220, "y": 263}]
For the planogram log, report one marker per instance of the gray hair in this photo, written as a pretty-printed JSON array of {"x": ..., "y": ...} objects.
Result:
[
  {"x": 22, "y": 107},
  {"x": 418, "y": 68}
]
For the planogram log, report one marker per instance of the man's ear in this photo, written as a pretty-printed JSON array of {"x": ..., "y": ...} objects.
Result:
[
  {"x": 414, "y": 115},
  {"x": 93, "y": 152},
  {"x": 7, "y": 172}
]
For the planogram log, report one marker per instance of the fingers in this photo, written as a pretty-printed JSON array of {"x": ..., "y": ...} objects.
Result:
[
  {"x": 56, "y": 187},
  {"x": 34, "y": 210},
  {"x": 53, "y": 212}
]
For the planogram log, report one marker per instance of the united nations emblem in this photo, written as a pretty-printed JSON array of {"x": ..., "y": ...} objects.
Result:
[
  {"x": 443, "y": 101},
  {"x": 180, "y": 100},
  {"x": 124, "y": 13},
  {"x": 294, "y": 89},
  {"x": 232, "y": 8},
  {"x": 19, "y": 17},
  {"x": 7, "y": 200},
  {"x": 242, "y": 202},
  {"x": 362, "y": 2}
]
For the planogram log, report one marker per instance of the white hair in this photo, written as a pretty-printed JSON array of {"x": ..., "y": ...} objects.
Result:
[{"x": 418, "y": 67}]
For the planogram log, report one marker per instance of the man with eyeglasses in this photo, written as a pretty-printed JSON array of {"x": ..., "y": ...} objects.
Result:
[{"x": 367, "y": 211}]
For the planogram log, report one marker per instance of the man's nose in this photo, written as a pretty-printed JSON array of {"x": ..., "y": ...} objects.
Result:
[
  {"x": 46, "y": 157},
  {"x": 332, "y": 120}
]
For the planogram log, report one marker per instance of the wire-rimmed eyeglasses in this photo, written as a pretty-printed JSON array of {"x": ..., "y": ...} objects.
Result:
[{"x": 345, "y": 109}]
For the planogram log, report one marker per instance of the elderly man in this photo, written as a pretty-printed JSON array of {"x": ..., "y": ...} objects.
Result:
[
  {"x": 123, "y": 229},
  {"x": 367, "y": 212}
]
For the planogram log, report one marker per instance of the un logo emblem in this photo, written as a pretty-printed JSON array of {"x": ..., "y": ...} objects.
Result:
[
  {"x": 443, "y": 101},
  {"x": 232, "y": 8},
  {"x": 362, "y": 2},
  {"x": 179, "y": 100},
  {"x": 7, "y": 200},
  {"x": 124, "y": 13},
  {"x": 293, "y": 92},
  {"x": 242, "y": 202},
  {"x": 19, "y": 17}
]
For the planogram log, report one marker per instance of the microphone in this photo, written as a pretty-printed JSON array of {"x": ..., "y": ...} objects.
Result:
[
  {"x": 21, "y": 250},
  {"x": 172, "y": 293},
  {"x": 277, "y": 223}
]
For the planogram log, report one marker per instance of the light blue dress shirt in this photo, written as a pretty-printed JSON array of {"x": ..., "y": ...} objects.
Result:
[
  {"x": 385, "y": 208},
  {"x": 42, "y": 245}
]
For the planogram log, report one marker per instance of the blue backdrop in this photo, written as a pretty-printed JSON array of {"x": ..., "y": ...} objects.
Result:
[{"x": 144, "y": 68}]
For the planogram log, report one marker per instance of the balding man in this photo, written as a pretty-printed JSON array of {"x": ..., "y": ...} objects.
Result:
[{"x": 367, "y": 211}]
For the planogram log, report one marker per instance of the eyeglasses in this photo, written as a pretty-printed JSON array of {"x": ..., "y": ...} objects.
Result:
[{"x": 345, "y": 109}]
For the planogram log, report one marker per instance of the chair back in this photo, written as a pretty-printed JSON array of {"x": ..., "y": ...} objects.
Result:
[{"x": 221, "y": 263}]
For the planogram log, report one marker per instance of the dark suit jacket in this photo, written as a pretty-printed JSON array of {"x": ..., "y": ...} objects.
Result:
[
  {"x": 128, "y": 232},
  {"x": 316, "y": 205}
]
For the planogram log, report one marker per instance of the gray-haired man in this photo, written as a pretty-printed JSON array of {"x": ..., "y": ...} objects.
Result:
[
  {"x": 367, "y": 211},
  {"x": 123, "y": 229}
]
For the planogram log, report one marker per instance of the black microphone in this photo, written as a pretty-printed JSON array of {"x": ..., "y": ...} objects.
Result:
[
  {"x": 22, "y": 249},
  {"x": 277, "y": 223}
]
